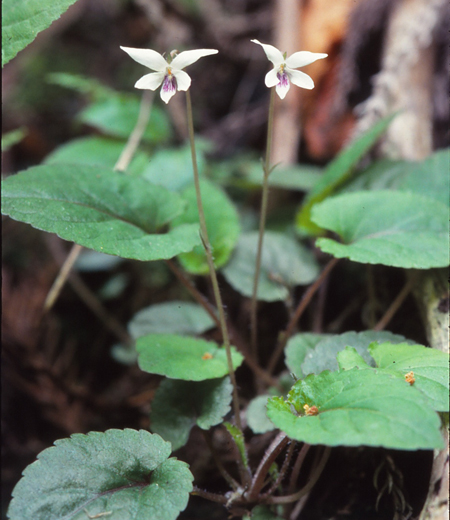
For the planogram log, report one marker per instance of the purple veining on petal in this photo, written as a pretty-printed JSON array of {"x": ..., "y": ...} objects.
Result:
[
  {"x": 283, "y": 78},
  {"x": 170, "y": 82}
]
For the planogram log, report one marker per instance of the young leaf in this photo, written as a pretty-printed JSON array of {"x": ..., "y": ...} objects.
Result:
[
  {"x": 384, "y": 227},
  {"x": 257, "y": 418},
  {"x": 11, "y": 138},
  {"x": 337, "y": 172},
  {"x": 222, "y": 221},
  {"x": 323, "y": 355},
  {"x": 238, "y": 437},
  {"x": 22, "y": 21},
  {"x": 297, "y": 348},
  {"x": 430, "y": 368},
  {"x": 175, "y": 317},
  {"x": 180, "y": 357},
  {"x": 285, "y": 264},
  {"x": 117, "y": 474},
  {"x": 99, "y": 209},
  {"x": 357, "y": 408},
  {"x": 179, "y": 405},
  {"x": 96, "y": 150}
]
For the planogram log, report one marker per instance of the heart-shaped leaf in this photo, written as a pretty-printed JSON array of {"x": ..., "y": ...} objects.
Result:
[
  {"x": 399, "y": 229},
  {"x": 182, "y": 357},
  {"x": 117, "y": 474},
  {"x": 100, "y": 209},
  {"x": 357, "y": 408}
]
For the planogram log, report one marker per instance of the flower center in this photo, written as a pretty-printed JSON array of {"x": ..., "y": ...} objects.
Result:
[
  {"x": 170, "y": 82},
  {"x": 282, "y": 76}
]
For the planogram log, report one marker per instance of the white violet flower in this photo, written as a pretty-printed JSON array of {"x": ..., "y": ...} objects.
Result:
[
  {"x": 169, "y": 73},
  {"x": 283, "y": 72}
]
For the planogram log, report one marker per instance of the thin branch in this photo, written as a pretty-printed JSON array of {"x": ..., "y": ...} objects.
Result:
[
  {"x": 298, "y": 466},
  {"x": 306, "y": 489},
  {"x": 270, "y": 455},
  {"x": 214, "y": 497},
  {"x": 282, "y": 472},
  {"x": 395, "y": 305},
  {"x": 231, "y": 481},
  {"x": 137, "y": 133},
  {"x": 58, "y": 284},
  {"x": 309, "y": 293}
]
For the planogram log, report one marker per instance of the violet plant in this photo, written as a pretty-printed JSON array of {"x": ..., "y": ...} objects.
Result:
[{"x": 372, "y": 388}]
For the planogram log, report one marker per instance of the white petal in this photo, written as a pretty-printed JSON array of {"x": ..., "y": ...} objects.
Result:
[
  {"x": 167, "y": 94},
  {"x": 282, "y": 89},
  {"x": 189, "y": 57},
  {"x": 272, "y": 78},
  {"x": 151, "y": 59},
  {"x": 272, "y": 53},
  {"x": 183, "y": 79},
  {"x": 150, "y": 81},
  {"x": 302, "y": 58},
  {"x": 300, "y": 79}
]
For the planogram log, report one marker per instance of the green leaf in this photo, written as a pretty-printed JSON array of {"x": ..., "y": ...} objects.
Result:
[
  {"x": 179, "y": 405},
  {"x": 297, "y": 348},
  {"x": 285, "y": 263},
  {"x": 323, "y": 355},
  {"x": 428, "y": 178},
  {"x": 100, "y": 209},
  {"x": 22, "y": 21},
  {"x": 349, "y": 358},
  {"x": 257, "y": 418},
  {"x": 384, "y": 227},
  {"x": 175, "y": 317},
  {"x": 96, "y": 150},
  {"x": 238, "y": 437},
  {"x": 180, "y": 357},
  {"x": 430, "y": 367},
  {"x": 357, "y": 408},
  {"x": 172, "y": 168},
  {"x": 11, "y": 138},
  {"x": 336, "y": 173},
  {"x": 222, "y": 222},
  {"x": 119, "y": 474}
]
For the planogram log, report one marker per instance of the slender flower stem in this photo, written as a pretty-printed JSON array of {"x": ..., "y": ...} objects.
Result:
[
  {"x": 297, "y": 466},
  {"x": 262, "y": 225},
  {"x": 209, "y": 259},
  {"x": 298, "y": 312}
]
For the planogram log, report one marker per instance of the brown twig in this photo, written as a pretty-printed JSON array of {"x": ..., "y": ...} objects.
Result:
[
  {"x": 282, "y": 472},
  {"x": 395, "y": 305},
  {"x": 307, "y": 488},
  {"x": 271, "y": 454}
]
